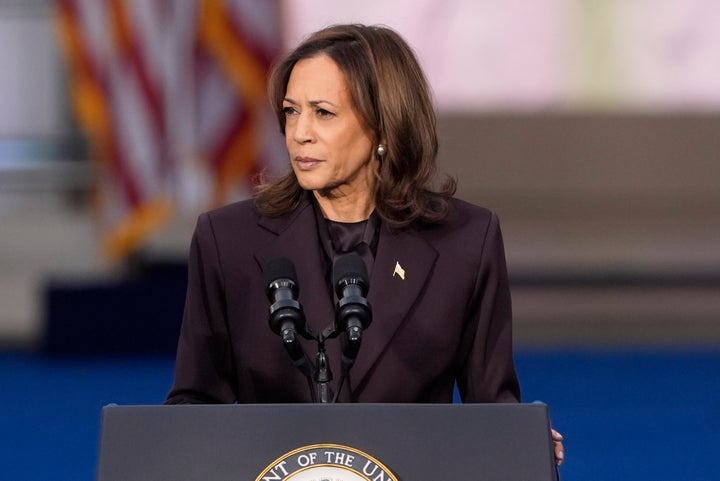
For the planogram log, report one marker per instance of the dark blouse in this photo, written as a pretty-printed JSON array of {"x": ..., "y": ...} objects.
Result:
[{"x": 339, "y": 238}]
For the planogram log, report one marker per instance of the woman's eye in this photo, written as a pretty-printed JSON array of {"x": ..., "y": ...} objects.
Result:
[
  {"x": 288, "y": 110},
  {"x": 324, "y": 113}
]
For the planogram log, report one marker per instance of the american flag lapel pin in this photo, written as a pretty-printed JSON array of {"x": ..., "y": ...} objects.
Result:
[{"x": 399, "y": 270}]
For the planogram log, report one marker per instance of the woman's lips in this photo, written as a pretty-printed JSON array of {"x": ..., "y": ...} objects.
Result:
[{"x": 306, "y": 163}]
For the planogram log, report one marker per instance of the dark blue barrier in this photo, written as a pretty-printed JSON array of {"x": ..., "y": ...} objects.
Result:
[{"x": 134, "y": 314}]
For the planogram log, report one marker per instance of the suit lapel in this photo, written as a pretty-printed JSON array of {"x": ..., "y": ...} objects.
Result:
[{"x": 392, "y": 296}]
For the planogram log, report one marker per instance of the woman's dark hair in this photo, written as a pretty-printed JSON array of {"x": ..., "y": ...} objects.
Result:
[{"x": 391, "y": 95}]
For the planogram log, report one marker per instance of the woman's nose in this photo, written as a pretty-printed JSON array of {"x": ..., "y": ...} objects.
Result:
[{"x": 303, "y": 129}]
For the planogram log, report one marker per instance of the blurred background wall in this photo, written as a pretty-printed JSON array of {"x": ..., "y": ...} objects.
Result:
[{"x": 590, "y": 126}]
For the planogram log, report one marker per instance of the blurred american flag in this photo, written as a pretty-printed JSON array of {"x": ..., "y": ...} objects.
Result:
[{"x": 171, "y": 95}]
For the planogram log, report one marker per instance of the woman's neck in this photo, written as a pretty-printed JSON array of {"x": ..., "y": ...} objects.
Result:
[{"x": 345, "y": 209}]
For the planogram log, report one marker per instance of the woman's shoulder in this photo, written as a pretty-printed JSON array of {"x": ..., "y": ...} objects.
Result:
[
  {"x": 224, "y": 223},
  {"x": 245, "y": 215},
  {"x": 470, "y": 234},
  {"x": 466, "y": 215},
  {"x": 466, "y": 226},
  {"x": 242, "y": 210},
  {"x": 468, "y": 209}
]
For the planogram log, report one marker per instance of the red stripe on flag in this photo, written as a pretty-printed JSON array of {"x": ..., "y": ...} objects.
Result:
[
  {"x": 102, "y": 133},
  {"x": 220, "y": 154},
  {"x": 151, "y": 93},
  {"x": 263, "y": 53}
]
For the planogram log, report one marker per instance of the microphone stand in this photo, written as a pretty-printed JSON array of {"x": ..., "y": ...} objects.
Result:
[
  {"x": 319, "y": 372},
  {"x": 323, "y": 374}
]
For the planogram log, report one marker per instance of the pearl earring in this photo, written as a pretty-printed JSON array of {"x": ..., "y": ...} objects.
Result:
[{"x": 381, "y": 150}]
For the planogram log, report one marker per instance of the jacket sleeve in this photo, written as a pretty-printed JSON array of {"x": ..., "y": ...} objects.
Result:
[
  {"x": 204, "y": 363},
  {"x": 487, "y": 373}
]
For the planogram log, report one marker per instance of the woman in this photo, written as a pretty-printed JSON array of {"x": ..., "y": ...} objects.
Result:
[{"x": 356, "y": 113}]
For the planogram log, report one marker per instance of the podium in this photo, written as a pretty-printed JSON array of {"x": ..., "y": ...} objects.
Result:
[{"x": 376, "y": 442}]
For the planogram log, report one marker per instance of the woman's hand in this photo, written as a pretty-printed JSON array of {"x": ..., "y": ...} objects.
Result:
[{"x": 559, "y": 448}]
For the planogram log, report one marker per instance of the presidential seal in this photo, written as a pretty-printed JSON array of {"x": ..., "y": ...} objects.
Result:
[{"x": 326, "y": 462}]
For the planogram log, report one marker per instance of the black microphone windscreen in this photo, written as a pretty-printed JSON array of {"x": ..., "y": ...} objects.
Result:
[
  {"x": 279, "y": 268},
  {"x": 349, "y": 265}
]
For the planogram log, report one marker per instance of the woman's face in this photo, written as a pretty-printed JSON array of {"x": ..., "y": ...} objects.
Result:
[{"x": 331, "y": 150}]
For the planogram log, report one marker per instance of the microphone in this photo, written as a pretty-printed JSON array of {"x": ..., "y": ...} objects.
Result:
[
  {"x": 353, "y": 312},
  {"x": 286, "y": 314}
]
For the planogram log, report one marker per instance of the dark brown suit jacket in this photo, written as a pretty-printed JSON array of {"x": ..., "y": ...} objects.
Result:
[{"x": 447, "y": 321}]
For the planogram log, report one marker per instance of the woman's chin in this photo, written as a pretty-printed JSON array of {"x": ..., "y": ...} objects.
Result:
[{"x": 308, "y": 183}]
